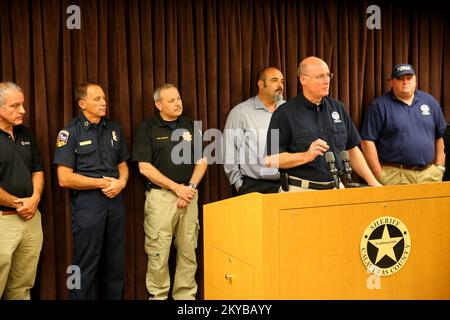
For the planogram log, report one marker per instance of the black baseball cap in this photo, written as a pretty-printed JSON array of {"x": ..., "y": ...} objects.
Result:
[{"x": 402, "y": 69}]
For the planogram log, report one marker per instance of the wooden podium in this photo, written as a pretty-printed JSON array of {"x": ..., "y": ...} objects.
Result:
[{"x": 307, "y": 245}]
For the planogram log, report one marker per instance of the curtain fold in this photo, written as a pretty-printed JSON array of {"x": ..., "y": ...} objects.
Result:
[{"x": 212, "y": 51}]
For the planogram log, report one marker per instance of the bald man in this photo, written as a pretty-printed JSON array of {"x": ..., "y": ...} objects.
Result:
[{"x": 308, "y": 126}]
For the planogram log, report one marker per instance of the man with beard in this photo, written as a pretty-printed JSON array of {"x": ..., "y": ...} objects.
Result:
[{"x": 245, "y": 136}]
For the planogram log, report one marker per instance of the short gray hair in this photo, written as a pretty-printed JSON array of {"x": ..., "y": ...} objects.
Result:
[
  {"x": 300, "y": 69},
  {"x": 4, "y": 87},
  {"x": 157, "y": 93}
]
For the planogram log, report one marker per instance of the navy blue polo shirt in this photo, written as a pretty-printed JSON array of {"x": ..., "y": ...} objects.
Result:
[
  {"x": 19, "y": 158},
  {"x": 404, "y": 134},
  {"x": 299, "y": 122},
  {"x": 172, "y": 147},
  {"x": 92, "y": 150}
]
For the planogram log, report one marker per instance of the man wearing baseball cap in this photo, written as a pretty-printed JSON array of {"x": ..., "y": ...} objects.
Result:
[{"x": 402, "y": 133}]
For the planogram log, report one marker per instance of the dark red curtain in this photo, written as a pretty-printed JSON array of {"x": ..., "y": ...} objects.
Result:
[{"x": 211, "y": 50}]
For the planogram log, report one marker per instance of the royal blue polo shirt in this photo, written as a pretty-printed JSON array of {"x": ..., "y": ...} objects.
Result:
[{"x": 404, "y": 134}]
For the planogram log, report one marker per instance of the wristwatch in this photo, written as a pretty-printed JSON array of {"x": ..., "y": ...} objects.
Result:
[{"x": 193, "y": 185}]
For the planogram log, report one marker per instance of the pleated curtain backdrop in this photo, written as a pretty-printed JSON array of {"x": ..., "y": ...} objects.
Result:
[{"x": 212, "y": 51}]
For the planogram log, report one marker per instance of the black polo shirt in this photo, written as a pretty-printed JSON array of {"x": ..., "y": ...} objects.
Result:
[
  {"x": 92, "y": 150},
  {"x": 172, "y": 147},
  {"x": 19, "y": 158},
  {"x": 300, "y": 122}
]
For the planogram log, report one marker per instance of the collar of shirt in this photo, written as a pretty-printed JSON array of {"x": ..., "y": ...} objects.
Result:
[
  {"x": 416, "y": 97},
  {"x": 260, "y": 105},
  {"x": 87, "y": 125},
  {"x": 163, "y": 123},
  {"x": 15, "y": 130},
  {"x": 309, "y": 104}
]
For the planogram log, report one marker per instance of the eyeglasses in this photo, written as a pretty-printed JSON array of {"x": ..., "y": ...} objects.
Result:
[{"x": 321, "y": 77}]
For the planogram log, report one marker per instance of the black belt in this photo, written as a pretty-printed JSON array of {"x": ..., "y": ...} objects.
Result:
[
  {"x": 312, "y": 185},
  {"x": 149, "y": 186},
  {"x": 276, "y": 181},
  {"x": 406, "y": 166}
]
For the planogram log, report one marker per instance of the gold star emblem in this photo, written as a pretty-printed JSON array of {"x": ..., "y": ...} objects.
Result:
[{"x": 385, "y": 245}]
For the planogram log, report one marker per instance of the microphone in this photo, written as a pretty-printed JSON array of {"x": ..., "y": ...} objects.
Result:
[
  {"x": 329, "y": 157},
  {"x": 346, "y": 161}
]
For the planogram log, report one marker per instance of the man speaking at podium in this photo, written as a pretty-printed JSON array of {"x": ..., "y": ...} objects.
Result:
[{"x": 308, "y": 126}]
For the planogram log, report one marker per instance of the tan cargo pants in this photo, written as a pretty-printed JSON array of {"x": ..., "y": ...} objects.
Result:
[{"x": 164, "y": 222}]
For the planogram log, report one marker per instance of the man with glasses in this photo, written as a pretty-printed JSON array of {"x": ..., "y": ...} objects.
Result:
[
  {"x": 309, "y": 125},
  {"x": 403, "y": 133}
]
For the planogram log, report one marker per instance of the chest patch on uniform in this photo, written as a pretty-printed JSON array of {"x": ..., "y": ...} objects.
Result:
[
  {"x": 425, "y": 110},
  {"x": 114, "y": 136},
  {"x": 336, "y": 117},
  {"x": 187, "y": 136},
  {"x": 63, "y": 137},
  {"x": 162, "y": 138},
  {"x": 85, "y": 143},
  {"x": 25, "y": 143}
]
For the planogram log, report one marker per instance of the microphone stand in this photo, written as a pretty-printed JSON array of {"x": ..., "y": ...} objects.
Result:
[
  {"x": 334, "y": 172},
  {"x": 346, "y": 174}
]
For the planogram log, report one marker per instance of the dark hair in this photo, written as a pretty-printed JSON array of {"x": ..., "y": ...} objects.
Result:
[
  {"x": 80, "y": 92},
  {"x": 261, "y": 75}
]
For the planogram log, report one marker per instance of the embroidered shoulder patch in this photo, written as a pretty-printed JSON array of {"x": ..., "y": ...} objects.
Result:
[{"x": 63, "y": 137}]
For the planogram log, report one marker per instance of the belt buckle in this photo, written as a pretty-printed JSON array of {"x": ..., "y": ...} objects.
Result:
[{"x": 304, "y": 184}]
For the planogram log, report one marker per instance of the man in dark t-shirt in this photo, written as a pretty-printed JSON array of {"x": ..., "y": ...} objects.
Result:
[
  {"x": 21, "y": 185},
  {"x": 164, "y": 150}
]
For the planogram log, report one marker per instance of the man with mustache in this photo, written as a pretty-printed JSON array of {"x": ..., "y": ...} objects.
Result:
[
  {"x": 164, "y": 150},
  {"x": 245, "y": 137},
  {"x": 21, "y": 185},
  {"x": 403, "y": 133},
  {"x": 309, "y": 125},
  {"x": 91, "y": 155}
]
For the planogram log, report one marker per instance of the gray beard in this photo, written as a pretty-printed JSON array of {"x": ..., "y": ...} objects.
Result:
[{"x": 278, "y": 97}]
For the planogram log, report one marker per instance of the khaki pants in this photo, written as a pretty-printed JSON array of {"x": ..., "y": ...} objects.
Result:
[
  {"x": 393, "y": 175},
  {"x": 164, "y": 221},
  {"x": 20, "y": 247}
]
